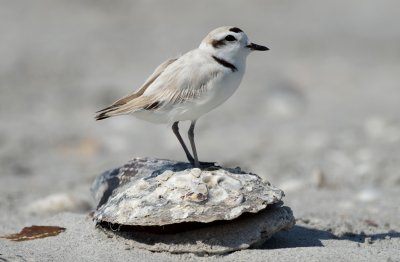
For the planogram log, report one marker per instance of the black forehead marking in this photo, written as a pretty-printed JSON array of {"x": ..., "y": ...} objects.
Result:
[{"x": 235, "y": 29}]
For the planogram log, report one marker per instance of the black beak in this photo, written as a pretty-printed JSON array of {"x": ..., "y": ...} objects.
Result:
[{"x": 256, "y": 47}]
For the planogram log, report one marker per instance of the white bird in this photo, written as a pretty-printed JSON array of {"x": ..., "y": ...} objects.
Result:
[{"x": 187, "y": 87}]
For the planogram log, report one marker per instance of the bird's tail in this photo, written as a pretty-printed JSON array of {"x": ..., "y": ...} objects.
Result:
[
  {"x": 118, "y": 108},
  {"x": 113, "y": 110},
  {"x": 105, "y": 113},
  {"x": 128, "y": 105}
]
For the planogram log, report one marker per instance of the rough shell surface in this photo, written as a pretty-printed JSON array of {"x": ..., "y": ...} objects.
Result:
[
  {"x": 155, "y": 192},
  {"x": 217, "y": 238}
]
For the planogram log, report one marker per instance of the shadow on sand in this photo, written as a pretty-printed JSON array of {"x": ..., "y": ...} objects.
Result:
[{"x": 300, "y": 236}]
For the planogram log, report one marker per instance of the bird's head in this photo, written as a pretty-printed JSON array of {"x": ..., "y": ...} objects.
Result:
[{"x": 230, "y": 43}]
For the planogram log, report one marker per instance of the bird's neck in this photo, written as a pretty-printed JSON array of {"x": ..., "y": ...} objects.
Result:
[{"x": 238, "y": 61}]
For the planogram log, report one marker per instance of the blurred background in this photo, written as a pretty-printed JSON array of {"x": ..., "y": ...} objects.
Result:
[{"x": 317, "y": 115}]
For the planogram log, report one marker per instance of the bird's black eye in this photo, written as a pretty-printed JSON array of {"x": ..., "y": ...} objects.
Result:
[{"x": 230, "y": 38}]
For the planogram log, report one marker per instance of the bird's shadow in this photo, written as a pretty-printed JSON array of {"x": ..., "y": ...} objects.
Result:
[{"x": 301, "y": 236}]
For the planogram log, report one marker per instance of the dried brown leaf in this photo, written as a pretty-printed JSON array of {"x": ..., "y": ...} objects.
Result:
[{"x": 35, "y": 232}]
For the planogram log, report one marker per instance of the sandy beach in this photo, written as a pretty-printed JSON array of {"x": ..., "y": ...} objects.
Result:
[{"x": 317, "y": 116}]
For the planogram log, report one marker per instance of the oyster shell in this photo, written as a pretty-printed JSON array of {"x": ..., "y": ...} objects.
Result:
[
  {"x": 219, "y": 237},
  {"x": 156, "y": 192}
]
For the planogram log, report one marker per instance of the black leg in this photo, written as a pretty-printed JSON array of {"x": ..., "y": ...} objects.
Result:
[
  {"x": 175, "y": 129},
  {"x": 191, "y": 139}
]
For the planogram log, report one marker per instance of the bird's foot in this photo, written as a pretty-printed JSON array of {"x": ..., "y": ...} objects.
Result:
[{"x": 206, "y": 165}]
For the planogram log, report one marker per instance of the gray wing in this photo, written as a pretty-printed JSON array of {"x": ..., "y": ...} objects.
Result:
[
  {"x": 175, "y": 83},
  {"x": 118, "y": 105}
]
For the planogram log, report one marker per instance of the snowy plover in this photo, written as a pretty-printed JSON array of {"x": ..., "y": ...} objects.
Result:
[{"x": 187, "y": 87}]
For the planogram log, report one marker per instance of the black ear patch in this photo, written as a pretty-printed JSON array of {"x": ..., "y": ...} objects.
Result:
[
  {"x": 218, "y": 43},
  {"x": 235, "y": 30}
]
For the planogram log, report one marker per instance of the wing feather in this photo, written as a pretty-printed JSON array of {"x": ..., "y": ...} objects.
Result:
[
  {"x": 170, "y": 94},
  {"x": 169, "y": 85},
  {"x": 115, "y": 108}
]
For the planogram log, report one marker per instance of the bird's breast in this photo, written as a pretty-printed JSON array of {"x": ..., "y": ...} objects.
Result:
[{"x": 224, "y": 87}]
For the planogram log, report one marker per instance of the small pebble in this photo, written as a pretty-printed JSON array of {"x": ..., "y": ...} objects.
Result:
[
  {"x": 196, "y": 172},
  {"x": 319, "y": 179},
  {"x": 292, "y": 185},
  {"x": 368, "y": 240},
  {"x": 368, "y": 195},
  {"x": 57, "y": 203}
]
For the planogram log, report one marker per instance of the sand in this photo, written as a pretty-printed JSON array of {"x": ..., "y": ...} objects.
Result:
[{"x": 317, "y": 116}]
